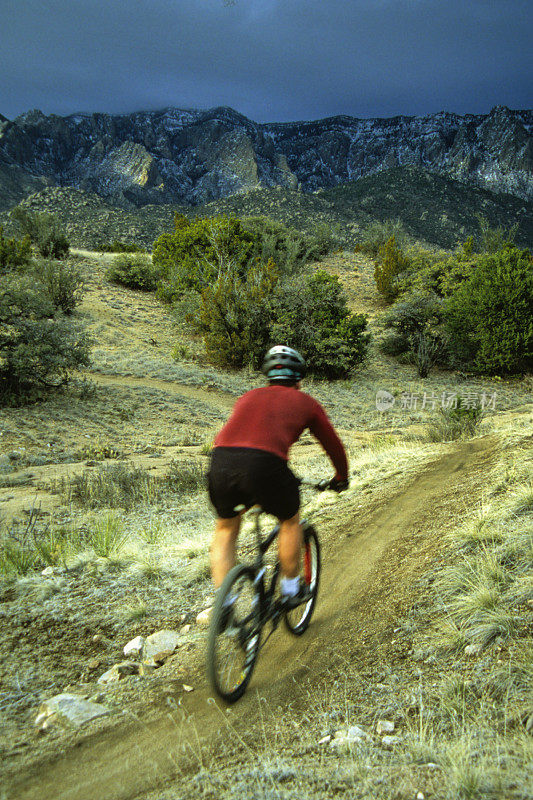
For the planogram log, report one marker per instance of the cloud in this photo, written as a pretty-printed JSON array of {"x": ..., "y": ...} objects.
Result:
[{"x": 269, "y": 59}]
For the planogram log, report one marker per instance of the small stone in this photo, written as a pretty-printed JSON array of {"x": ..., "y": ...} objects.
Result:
[
  {"x": 204, "y": 617},
  {"x": 356, "y": 733},
  {"x": 384, "y": 726},
  {"x": 47, "y": 572},
  {"x": 164, "y": 655},
  {"x": 432, "y": 765},
  {"x": 185, "y": 629},
  {"x": 93, "y": 664},
  {"x": 420, "y": 796},
  {"x": 68, "y": 708},
  {"x": 160, "y": 641},
  {"x": 98, "y": 638},
  {"x": 119, "y": 671},
  {"x": 146, "y": 669},
  {"x": 325, "y": 739},
  {"x": 134, "y": 647},
  {"x": 473, "y": 649},
  {"x": 187, "y": 688},
  {"x": 390, "y": 741}
]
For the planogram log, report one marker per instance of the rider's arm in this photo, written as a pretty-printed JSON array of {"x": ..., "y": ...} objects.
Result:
[{"x": 321, "y": 427}]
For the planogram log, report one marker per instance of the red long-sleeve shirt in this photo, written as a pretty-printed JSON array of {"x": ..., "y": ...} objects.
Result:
[{"x": 274, "y": 417}]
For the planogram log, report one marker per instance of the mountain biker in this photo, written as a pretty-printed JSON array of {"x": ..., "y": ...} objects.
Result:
[{"x": 249, "y": 465}]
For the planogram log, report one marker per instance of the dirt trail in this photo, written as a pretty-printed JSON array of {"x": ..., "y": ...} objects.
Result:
[
  {"x": 124, "y": 762},
  {"x": 218, "y": 398}
]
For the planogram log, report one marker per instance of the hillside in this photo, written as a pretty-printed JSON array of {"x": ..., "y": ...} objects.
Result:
[
  {"x": 189, "y": 156},
  {"x": 434, "y": 209},
  {"x": 414, "y": 677}
]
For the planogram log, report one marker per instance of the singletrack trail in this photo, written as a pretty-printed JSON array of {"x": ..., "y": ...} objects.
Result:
[{"x": 359, "y": 547}]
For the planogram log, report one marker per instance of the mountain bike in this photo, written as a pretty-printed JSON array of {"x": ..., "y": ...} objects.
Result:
[{"x": 248, "y": 600}]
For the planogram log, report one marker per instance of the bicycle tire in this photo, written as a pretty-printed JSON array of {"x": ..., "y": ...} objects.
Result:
[
  {"x": 297, "y": 620},
  {"x": 234, "y": 635}
]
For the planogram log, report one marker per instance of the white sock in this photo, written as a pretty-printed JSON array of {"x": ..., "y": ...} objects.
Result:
[
  {"x": 290, "y": 586},
  {"x": 229, "y": 600}
]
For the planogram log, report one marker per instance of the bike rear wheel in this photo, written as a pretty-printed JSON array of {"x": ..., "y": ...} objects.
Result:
[
  {"x": 297, "y": 619},
  {"x": 234, "y": 634}
]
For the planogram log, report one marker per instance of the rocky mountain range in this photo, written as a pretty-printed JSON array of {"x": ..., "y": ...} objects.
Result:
[{"x": 192, "y": 157}]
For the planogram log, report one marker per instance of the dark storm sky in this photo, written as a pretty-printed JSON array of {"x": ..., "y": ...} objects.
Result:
[{"x": 273, "y": 60}]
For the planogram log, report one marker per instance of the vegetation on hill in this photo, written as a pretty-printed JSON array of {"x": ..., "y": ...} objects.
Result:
[
  {"x": 469, "y": 309},
  {"x": 39, "y": 344},
  {"x": 245, "y": 281},
  {"x": 433, "y": 209}
]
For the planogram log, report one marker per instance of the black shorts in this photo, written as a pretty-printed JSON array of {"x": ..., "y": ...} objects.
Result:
[{"x": 244, "y": 476}]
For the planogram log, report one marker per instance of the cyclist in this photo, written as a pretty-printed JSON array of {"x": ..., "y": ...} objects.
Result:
[{"x": 249, "y": 465}]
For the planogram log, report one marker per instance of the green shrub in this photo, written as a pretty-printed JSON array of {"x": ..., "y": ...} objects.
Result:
[
  {"x": 236, "y": 314},
  {"x": 192, "y": 256},
  {"x": 44, "y": 230},
  {"x": 489, "y": 315},
  {"x": 36, "y": 349},
  {"x": 390, "y": 264},
  {"x": 415, "y": 327},
  {"x": 134, "y": 270},
  {"x": 116, "y": 246},
  {"x": 14, "y": 253},
  {"x": 377, "y": 234},
  {"x": 288, "y": 248},
  {"x": 311, "y": 314},
  {"x": 63, "y": 283}
]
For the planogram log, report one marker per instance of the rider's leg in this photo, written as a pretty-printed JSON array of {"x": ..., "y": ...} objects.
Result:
[
  {"x": 223, "y": 548},
  {"x": 289, "y": 545}
]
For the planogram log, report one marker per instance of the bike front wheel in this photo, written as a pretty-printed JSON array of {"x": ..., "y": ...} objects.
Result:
[
  {"x": 234, "y": 634},
  {"x": 297, "y": 619}
]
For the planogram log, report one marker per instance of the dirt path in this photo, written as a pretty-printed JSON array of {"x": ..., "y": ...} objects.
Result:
[
  {"x": 388, "y": 540},
  {"x": 219, "y": 399}
]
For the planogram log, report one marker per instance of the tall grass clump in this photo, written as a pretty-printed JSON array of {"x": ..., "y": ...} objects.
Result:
[
  {"x": 458, "y": 422},
  {"x": 487, "y": 588},
  {"x": 107, "y": 537},
  {"x": 126, "y": 486}
]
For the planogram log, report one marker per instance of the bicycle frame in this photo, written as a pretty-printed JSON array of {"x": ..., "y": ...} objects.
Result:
[{"x": 269, "y": 610}]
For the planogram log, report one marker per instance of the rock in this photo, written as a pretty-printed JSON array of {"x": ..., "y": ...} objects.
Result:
[
  {"x": 68, "y": 708},
  {"x": 187, "y": 688},
  {"x": 384, "y": 726},
  {"x": 47, "y": 572},
  {"x": 134, "y": 647},
  {"x": 355, "y": 732},
  {"x": 119, "y": 671},
  {"x": 185, "y": 629},
  {"x": 420, "y": 796},
  {"x": 473, "y": 649},
  {"x": 204, "y": 617},
  {"x": 146, "y": 669},
  {"x": 93, "y": 664},
  {"x": 161, "y": 657},
  {"x": 160, "y": 641},
  {"x": 325, "y": 739},
  {"x": 390, "y": 741}
]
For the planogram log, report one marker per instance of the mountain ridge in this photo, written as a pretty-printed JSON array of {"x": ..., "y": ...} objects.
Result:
[{"x": 193, "y": 156}]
